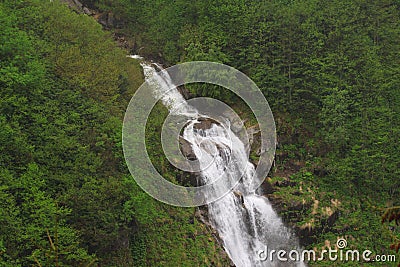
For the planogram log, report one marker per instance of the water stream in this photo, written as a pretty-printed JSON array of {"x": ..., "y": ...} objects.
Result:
[{"x": 244, "y": 220}]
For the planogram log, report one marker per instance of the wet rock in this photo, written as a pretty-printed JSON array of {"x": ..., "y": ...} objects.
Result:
[
  {"x": 239, "y": 195},
  {"x": 186, "y": 148},
  {"x": 188, "y": 178},
  {"x": 184, "y": 92},
  {"x": 204, "y": 123}
]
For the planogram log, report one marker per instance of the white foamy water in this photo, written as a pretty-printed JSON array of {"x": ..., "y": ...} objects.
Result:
[{"x": 245, "y": 221}]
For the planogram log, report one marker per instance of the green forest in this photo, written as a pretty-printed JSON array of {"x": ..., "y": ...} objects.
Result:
[{"x": 330, "y": 71}]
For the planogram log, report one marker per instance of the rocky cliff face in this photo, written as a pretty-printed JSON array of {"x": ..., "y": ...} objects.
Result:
[
  {"x": 288, "y": 208},
  {"x": 109, "y": 22},
  {"x": 77, "y": 6},
  {"x": 106, "y": 19}
]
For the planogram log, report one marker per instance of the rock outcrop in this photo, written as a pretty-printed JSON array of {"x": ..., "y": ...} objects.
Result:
[
  {"x": 76, "y": 6},
  {"x": 186, "y": 148},
  {"x": 204, "y": 123}
]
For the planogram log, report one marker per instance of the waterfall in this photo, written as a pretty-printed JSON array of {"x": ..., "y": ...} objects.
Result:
[{"x": 244, "y": 220}]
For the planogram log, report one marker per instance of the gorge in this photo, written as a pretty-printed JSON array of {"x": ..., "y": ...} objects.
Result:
[{"x": 244, "y": 220}]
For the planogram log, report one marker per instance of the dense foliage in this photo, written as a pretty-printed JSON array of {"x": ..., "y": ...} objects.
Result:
[
  {"x": 66, "y": 198},
  {"x": 330, "y": 72},
  {"x": 62, "y": 91}
]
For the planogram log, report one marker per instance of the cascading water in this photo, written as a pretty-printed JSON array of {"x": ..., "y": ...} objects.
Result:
[{"x": 245, "y": 221}]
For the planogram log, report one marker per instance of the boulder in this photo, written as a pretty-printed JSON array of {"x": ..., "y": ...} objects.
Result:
[
  {"x": 184, "y": 92},
  {"x": 107, "y": 20},
  {"x": 78, "y": 4},
  {"x": 87, "y": 11},
  {"x": 204, "y": 123},
  {"x": 239, "y": 196},
  {"x": 74, "y": 5},
  {"x": 186, "y": 148},
  {"x": 102, "y": 19}
]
